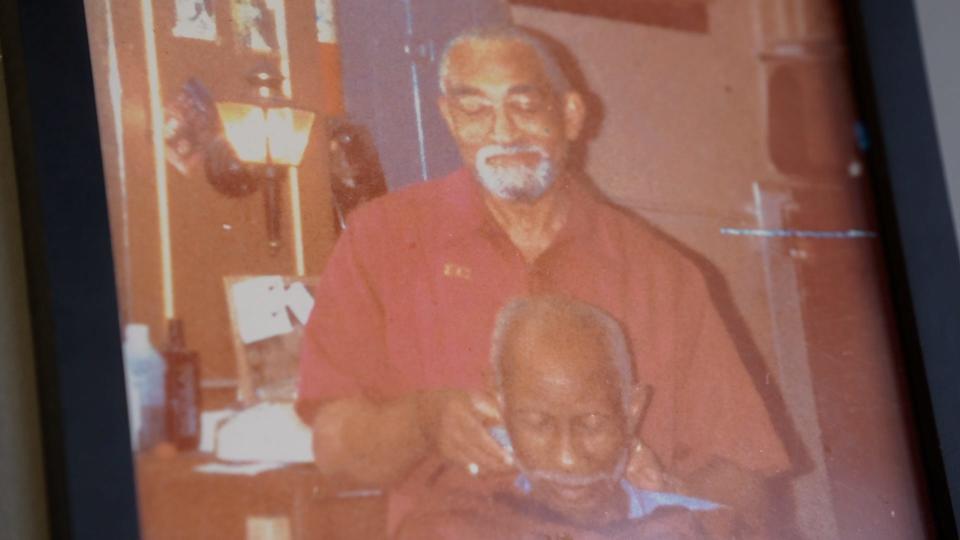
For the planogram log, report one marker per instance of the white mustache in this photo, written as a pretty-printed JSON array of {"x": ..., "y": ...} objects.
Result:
[
  {"x": 514, "y": 182},
  {"x": 569, "y": 480},
  {"x": 579, "y": 480},
  {"x": 493, "y": 150}
]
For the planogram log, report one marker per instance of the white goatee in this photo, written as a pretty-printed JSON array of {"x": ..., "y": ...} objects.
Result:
[{"x": 514, "y": 182}]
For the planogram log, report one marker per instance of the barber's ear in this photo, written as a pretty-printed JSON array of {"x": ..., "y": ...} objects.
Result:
[
  {"x": 574, "y": 115},
  {"x": 639, "y": 399},
  {"x": 443, "y": 103}
]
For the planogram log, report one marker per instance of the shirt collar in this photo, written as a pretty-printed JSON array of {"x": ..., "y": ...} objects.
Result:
[
  {"x": 468, "y": 211},
  {"x": 469, "y": 215},
  {"x": 642, "y": 502}
]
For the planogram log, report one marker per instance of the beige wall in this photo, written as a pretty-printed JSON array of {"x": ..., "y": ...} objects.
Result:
[{"x": 681, "y": 141}]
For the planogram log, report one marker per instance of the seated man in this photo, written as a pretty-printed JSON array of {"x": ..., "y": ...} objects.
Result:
[{"x": 564, "y": 379}]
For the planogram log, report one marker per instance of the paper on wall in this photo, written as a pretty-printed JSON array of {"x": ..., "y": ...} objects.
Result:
[
  {"x": 194, "y": 20},
  {"x": 326, "y": 21},
  {"x": 299, "y": 301},
  {"x": 260, "y": 307}
]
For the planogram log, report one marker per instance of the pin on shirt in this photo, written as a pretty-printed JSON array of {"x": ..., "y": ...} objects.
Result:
[{"x": 454, "y": 270}]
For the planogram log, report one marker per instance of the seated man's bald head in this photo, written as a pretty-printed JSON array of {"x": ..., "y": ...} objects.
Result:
[
  {"x": 565, "y": 381},
  {"x": 533, "y": 323}
]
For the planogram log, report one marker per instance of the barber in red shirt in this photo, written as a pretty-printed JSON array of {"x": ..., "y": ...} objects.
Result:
[{"x": 394, "y": 368}]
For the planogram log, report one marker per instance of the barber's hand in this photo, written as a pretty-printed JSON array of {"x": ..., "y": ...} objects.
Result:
[
  {"x": 644, "y": 471},
  {"x": 459, "y": 431}
]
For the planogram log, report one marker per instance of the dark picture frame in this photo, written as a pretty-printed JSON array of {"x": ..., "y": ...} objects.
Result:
[
  {"x": 917, "y": 227},
  {"x": 72, "y": 294},
  {"x": 73, "y": 300}
]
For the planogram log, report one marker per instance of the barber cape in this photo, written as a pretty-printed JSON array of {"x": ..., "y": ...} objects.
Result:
[
  {"x": 644, "y": 502},
  {"x": 462, "y": 507}
]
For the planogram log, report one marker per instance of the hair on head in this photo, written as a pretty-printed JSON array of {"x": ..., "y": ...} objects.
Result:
[{"x": 506, "y": 32}]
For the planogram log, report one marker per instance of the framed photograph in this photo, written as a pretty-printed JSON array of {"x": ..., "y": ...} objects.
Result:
[
  {"x": 254, "y": 24},
  {"x": 486, "y": 269},
  {"x": 195, "y": 20}
]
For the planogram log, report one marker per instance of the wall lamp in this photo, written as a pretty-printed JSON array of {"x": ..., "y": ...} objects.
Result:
[{"x": 262, "y": 140}]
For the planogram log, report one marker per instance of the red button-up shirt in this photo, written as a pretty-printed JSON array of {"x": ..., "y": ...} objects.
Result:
[{"x": 409, "y": 296}]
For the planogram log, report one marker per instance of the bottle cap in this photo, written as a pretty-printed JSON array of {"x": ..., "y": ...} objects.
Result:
[
  {"x": 136, "y": 333},
  {"x": 175, "y": 338}
]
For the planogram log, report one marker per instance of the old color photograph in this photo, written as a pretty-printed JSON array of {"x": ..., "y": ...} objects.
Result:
[{"x": 490, "y": 269}]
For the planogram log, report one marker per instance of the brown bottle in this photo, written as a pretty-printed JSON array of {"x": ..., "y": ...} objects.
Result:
[{"x": 182, "y": 389}]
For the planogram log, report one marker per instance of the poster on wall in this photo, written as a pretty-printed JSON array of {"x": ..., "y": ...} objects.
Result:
[
  {"x": 195, "y": 20},
  {"x": 189, "y": 124},
  {"x": 254, "y": 25}
]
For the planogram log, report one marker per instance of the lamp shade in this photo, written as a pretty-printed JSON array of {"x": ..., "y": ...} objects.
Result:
[
  {"x": 245, "y": 127},
  {"x": 288, "y": 131},
  {"x": 277, "y": 135}
]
